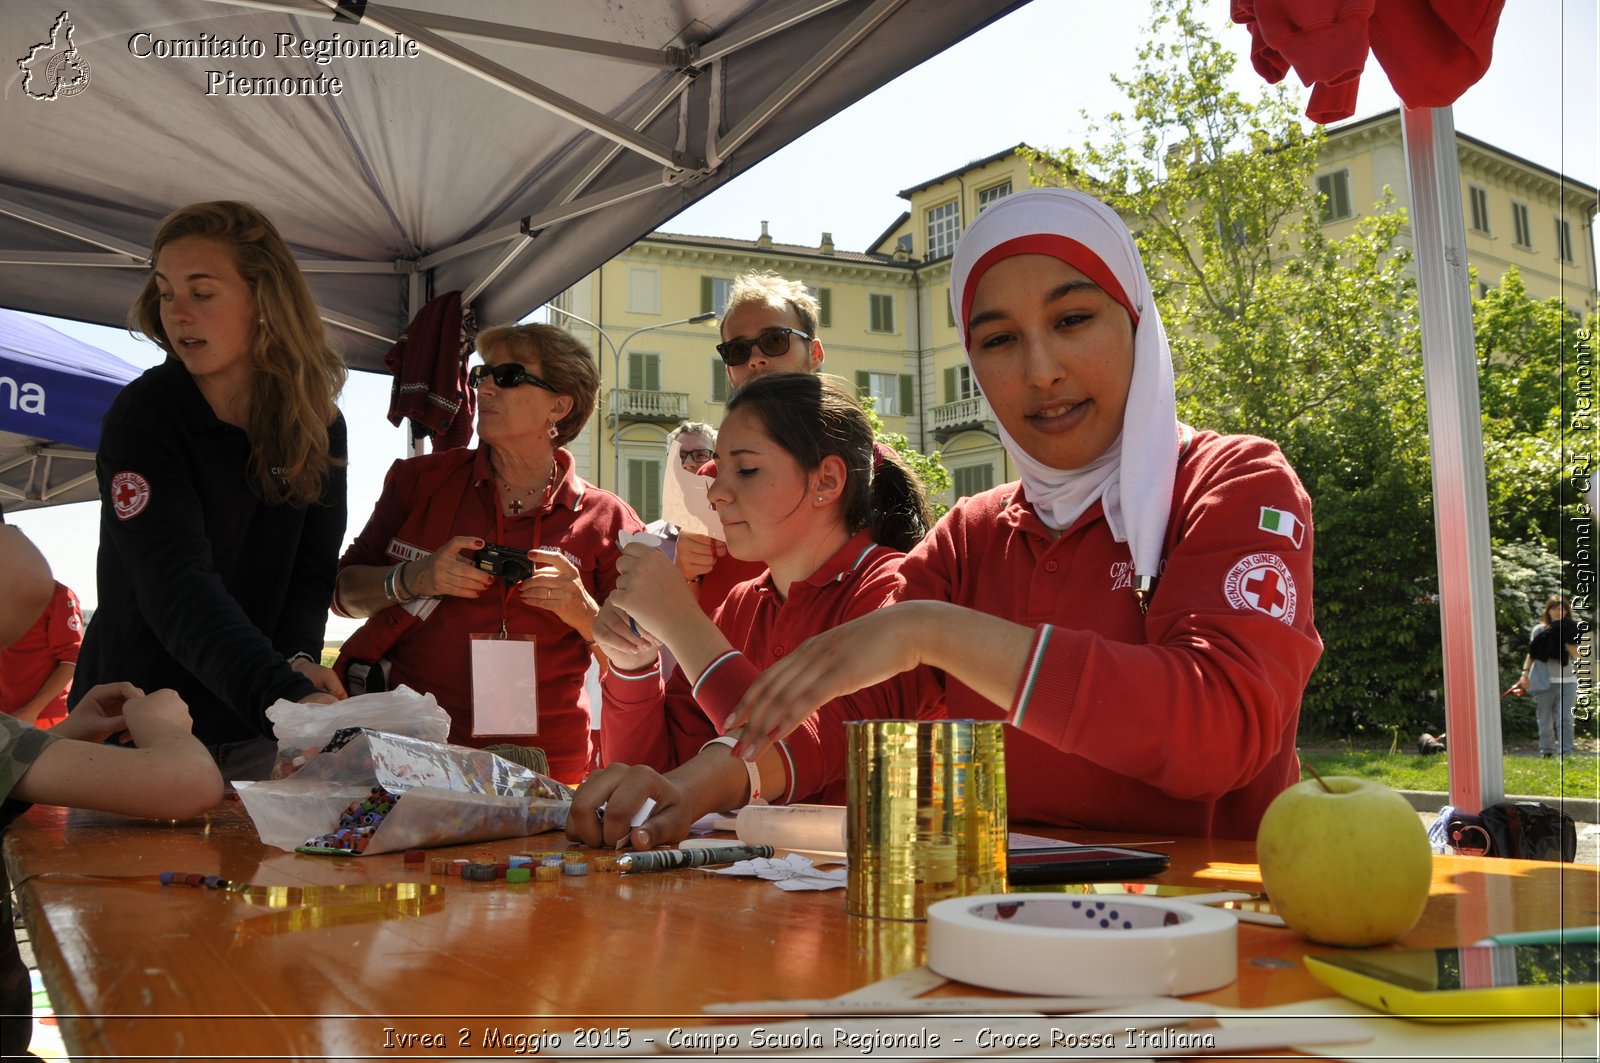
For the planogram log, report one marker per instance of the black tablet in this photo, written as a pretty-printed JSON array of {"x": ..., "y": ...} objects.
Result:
[{"x": 1081, "y": 863}]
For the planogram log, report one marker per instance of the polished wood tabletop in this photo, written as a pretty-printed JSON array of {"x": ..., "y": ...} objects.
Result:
[{"x": 401, "y": 963}]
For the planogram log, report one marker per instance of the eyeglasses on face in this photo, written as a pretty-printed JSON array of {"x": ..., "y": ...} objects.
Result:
[
  {"x": 696, "y": 458},
  {"x": 774, "y": 343},
  {"x": 507, "y": 375}
]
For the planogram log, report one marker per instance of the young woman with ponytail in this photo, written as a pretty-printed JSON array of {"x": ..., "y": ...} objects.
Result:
[{"x": 797, "y": 490}]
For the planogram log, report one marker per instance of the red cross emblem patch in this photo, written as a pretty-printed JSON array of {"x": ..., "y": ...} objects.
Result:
[
  {"x": 1262, "y": 582},
  {"x": 130, "y": 493}
]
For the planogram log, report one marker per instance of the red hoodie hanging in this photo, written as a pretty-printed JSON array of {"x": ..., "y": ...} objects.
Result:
[{"x": 1432, "y": 50}]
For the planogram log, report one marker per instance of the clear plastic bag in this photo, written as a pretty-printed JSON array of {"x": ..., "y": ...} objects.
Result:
[
  {"x": 302, "y": 730},
  {"x": 450, "y": 795}
]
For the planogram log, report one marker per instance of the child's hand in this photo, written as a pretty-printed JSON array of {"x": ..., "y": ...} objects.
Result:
[
  {"x": 99, "y": 715},
  {"x": 154, "y": 716}
]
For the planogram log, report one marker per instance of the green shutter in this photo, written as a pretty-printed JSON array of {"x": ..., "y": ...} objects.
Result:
[
  {"x": 636, "y": 371},
  {"x": 652, "y": 376},
  {"x": 950, "y": 384},
  {"x": 719, "y": 381},
  {"x": 863, "y": 385},
  {"x": 644, "y": 488},
  {"x": 652, "y": 492},
  {"x": 908, "y": 397},
  {"x": 824, "y": 307},
  {"x": 706, "y": 295}
]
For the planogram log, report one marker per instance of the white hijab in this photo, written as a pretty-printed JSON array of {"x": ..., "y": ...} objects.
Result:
[{"x": 1133, "y": 479}]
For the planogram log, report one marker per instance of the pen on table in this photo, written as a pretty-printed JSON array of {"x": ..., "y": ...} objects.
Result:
[
  {"x": 1561, "y": 935},
  {"x": 671, "y": 859}
]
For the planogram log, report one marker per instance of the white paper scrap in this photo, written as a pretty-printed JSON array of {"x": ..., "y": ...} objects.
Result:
[
  {"x": 684, "y": 502},
  {"x": 792, "y": 872}
]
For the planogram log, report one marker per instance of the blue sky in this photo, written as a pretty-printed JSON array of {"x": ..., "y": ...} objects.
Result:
[{"x": 1027, "y": 77}]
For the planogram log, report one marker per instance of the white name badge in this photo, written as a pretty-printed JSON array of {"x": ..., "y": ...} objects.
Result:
[{"x": 505, "y": 685}]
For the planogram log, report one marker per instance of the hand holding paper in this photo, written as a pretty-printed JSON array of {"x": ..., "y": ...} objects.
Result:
[{"x": 684, "y": 502}]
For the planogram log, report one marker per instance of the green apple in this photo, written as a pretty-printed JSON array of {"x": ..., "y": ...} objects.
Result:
[{"x": 1345, "y": 861}]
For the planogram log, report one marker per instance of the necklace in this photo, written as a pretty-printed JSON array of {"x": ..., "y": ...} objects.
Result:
[{"x": 522, "y": 499}]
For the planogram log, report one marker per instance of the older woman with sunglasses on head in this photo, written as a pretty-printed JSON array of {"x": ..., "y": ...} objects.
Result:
[
  {"x": 421, "y": 570},
  {"x": 1138, "y": 608}
]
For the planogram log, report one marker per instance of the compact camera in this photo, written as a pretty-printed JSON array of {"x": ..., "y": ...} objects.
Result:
[{"x": 505, "y": 563}]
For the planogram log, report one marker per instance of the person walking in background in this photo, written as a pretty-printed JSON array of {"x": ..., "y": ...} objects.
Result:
[
  {"x": 1548, "y": 675},
  {"x": 222, "y": 488}
]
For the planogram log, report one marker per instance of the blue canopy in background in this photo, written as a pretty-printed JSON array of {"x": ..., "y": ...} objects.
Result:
[{"x": 53, "y": 392}]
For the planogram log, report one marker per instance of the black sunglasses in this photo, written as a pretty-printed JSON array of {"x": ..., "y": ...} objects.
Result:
[
  {"x": 507, "y": 375},
  {"x": 774, "y": 343},
  {"x": 695, "y": 458}
]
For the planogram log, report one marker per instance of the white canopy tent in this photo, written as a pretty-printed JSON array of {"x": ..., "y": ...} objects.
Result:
[{"x": 507, "y": 150}]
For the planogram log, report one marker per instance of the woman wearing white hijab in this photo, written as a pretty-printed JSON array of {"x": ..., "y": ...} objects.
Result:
[{"x": 1138, "y": 608}]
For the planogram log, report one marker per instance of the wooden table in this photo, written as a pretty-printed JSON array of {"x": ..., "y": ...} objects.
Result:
[{"x": 137, "y": 969}]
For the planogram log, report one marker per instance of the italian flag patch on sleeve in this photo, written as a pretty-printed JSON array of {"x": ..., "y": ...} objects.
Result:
[{"x": 1278, "y": 522}]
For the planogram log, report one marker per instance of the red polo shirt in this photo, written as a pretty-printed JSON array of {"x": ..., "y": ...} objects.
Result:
[
  {"x": 575, "y": 517},
  {"x": 28, "y": 662},
  {"x": 642, "y": 724}
]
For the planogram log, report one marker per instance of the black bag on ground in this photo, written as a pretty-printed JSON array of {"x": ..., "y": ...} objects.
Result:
[{"x": 1516, "y": 830}]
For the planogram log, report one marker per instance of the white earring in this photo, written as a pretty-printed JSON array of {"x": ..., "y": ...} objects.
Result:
[{"x": 553, "y": 431}]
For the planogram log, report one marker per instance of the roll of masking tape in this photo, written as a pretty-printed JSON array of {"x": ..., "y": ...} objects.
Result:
[{"x": 1059, "y": 945}]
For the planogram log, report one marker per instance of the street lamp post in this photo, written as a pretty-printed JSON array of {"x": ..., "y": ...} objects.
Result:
[{"x": 616, "y": 377}]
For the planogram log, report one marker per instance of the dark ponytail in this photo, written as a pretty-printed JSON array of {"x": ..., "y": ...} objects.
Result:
[
  {"x": 812, "y": 417},
  {"x": 900, "y": 512}
]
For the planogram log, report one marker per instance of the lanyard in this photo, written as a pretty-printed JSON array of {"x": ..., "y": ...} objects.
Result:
[{"x": 538, "y": 535}]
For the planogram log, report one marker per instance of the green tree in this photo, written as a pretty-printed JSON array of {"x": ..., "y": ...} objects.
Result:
[
  {"x": 1278, "y": 331},
  {"x": 928, "y": 468}
]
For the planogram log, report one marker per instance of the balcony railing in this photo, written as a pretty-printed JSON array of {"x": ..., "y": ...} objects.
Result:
[
  {"x": 952, "y": 417},
  {"x": 638, "y": 404}
]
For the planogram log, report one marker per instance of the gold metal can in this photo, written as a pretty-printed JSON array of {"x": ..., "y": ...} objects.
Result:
[{"x": 926, "y": 815}]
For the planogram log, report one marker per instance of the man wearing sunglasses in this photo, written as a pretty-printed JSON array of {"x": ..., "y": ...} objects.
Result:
[{"x": 769, "y": 326}]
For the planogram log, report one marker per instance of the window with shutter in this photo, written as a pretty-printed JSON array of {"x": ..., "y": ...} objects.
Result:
[
  {"x": 1563, "y": 240},
  {"x": 1519, "y": 222},
  {"x": 1480, "y": 207},
  {"x": 644, "y": 371},
  {"x": 885, "y": 390},
  {"x": 972, "y": 479},
  {"x": 719, "y": 381},
  {"x": 950, "y": 385},
  {"x": 644, "y": 488},
  {"x": 881, "y": 313},
  {"x": 1334, "y": 188}
]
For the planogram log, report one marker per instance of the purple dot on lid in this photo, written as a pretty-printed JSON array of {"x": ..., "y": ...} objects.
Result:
[
  {"x": 1077, "y": 904},
  {"x": 1127, "y": 925},
  {"x": 1104, "y": 923},
  {"x": 1113, "y": 914},
  {"x": 1099, "y": 905},
  {"x": 166, "y": 877}
]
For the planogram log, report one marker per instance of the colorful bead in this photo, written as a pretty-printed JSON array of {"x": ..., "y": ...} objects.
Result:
[
  {"x": 547, "y": 872},
  {"x": 575, "y": 869},
  {"x": 518, "y": 874},
  {"x": 416, "y": 856}
]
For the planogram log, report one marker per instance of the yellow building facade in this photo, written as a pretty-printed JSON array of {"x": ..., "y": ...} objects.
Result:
[{"x": 886, "y": 323}]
